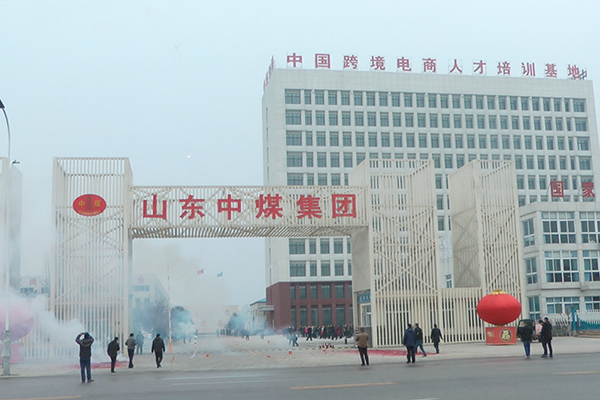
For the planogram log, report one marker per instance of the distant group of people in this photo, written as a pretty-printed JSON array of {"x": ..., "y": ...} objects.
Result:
[
  {"x": 85, "y": 341},
  {"x": 412, "y": 340},
  {"x": 526, "y": 333},
  {"x": 332, "y": 332}
]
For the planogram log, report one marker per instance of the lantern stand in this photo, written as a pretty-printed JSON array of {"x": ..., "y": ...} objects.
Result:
[{"x": 499, "y": 308}]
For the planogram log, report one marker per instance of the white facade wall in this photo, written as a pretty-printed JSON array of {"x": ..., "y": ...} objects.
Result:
[{"x": 547, "y": 127}]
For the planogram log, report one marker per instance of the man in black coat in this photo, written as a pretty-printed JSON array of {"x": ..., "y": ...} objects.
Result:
[
  {"x": 409, "y": 340},
  {"x": 436, "y": 336},
  {"x": 158, "y": 347},
  {"x": 419, "y": 337},
  {"x": 526, "y": 333},
  {"x": 546, "y": 337},
  {"x": 85, "y": 340},
  {"x": 112, "y": 350}
]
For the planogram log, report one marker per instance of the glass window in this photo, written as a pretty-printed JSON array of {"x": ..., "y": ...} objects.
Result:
[
  {"x": 432, "y": 100},
  {"x": 307, "y": 97},
  {"x": 294, "y": 159},
  {"x": 358, "y": 98},
  {"x": 297, "y": 268},
  {"x": 395, "y": 99},
  {"x": 319, "y": 97},
  {"x": 292, "y": 96},
  {"x": 420, "y": 100},
  {"x": 338, "y": 268},
  {"x": 383, "y": 99},
  {"x": 370, "y": 98},
  {"x": 326, "y": 291},
  {"x": 443, "y": 100},
  {"x": 324, "y": 246},
  {"x": 407, "y": 99},
  {"x": 358, "y": 118},
  {"x": 345, "y": 98},
  {"x": 293, "y": 117},
  {"x": 325, "y": 268},
  {"x": 332, "y": 97}
]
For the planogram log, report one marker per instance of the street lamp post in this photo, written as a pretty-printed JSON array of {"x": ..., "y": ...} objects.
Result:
[{"x": 6, "y": 343}]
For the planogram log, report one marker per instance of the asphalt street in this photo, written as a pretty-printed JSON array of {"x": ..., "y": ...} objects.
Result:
[{"x": 563, "y": 377}]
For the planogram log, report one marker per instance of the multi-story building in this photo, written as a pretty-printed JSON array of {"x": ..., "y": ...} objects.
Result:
[{"x": 320, "y": 124}]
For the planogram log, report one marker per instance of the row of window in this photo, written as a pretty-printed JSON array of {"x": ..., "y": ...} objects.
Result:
[
  {"x": 563, "y": 266},
  {"x": 299, "y": 246},
  {"x": 300, "y": 291},
  {"x": 435, "y": 141},
  {"x": 562, "y": 305},
  {"x": 299, "y": 317},
  {"x": 559, "y": 228},
  {"x": 337, "y": 160},
  {"x": 459, "y": 121},
  {"x": 321, "y": 268},
  {"x": 457, "y": 101}
]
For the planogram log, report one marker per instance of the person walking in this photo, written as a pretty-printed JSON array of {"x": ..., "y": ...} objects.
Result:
[
  {"x": 546, "y": 337},
  {"x": 409, "y": 340},
  {"x": 436, "y": 336},
  {"x": 131, "y": 343},
  {"x": 419, "y": 340},
  {"x": 362, "y": 342},
  {"x": 139, "y": 339},
  {"x": 158, "y": 347},
  {"x": 112, "y": 350},
  {"x": 526, "y": 333},
  {"x": 85, "y": 340}
]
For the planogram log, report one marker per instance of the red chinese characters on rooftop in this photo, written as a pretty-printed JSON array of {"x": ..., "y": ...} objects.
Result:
[{"x": 266, "y": 206}]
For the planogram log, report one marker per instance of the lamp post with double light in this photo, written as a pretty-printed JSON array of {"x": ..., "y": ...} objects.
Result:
[{"x": 6, "y": 343}]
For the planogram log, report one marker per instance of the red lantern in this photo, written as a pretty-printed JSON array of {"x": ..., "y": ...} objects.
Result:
[{"x": 499, "y": 308}]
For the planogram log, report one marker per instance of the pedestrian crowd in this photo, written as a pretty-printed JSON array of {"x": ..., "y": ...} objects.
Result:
[
  {"x": 333, "y": 332},
  {"x": 85, "y": 341},
  {"x": 543, "y": 332}
]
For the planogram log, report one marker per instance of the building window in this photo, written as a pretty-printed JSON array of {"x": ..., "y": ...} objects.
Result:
[
  {"x": 531, "y": 270},
  {"x": 307, "y": 97},
  {"x": 324, "y": 246},
  {"x": 372, "y": 119},
  {"x": 292, "y": 96},
  {"x": 345, "y": 98},
  {"x": 358, "y": 118},
  {"x": 338, "y": 268},
  {"x": 293, "y": 117},
  {"x": 297, "y": 268},
  {"x": 528, "y": 232},
  {"x": 591, "y": 272},
  {"x": 325, "y": 268},
  {"x": 325, "y": 291},
  {"x": 340, "y": 315},
  {"x": 372, "y": 139},
  {"x": 409, "y": 120},
  {"x": 297, "y": 246},
  {"x": 581, "y": 125},
  {"x": 370, "y": 98},
  {"x": 313, "y": 292},
  {"x": 592, "y": 303},
  {"x": 558, "y": 227},
  {"x": 562, "y": 305},
  {"x": 578, "y": 105},
  {"x": 294, "y": 159},
  {"x": 561, "y": 266},
  {"x": 319, "y": 97},
  {"x": 407, "y": 99},
  {"x": 534, "y": 307},
  {"x": 313, "y": 269},
  {"x": 334, "y": 159},
  {"x": 295, "y": 179},
  {"x": 492, "y": 103},
  {"x": 302, "y": 291},
  {"x": 332, "y": 97},
  {"x": 322, "y": 160},
  {"x": 333, "y": 118},
  {"x": 293, "y": 138},
  {"x": 358, "y": 98},
  {"x": 320, "y": 118},
  {"x": 293, "y": 292}
]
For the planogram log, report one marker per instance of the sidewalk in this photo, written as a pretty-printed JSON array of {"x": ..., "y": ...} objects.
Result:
[{"x": 231, "y": 353}]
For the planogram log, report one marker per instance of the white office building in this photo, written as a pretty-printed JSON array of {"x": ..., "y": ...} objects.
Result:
[{"x": 320, "y": 124}]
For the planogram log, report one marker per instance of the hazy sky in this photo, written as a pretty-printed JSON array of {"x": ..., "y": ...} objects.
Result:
[{"x": 157, "y": 81}]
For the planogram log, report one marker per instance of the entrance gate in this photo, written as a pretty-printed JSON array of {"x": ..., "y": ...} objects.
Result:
[{"x": 389, "y": 213}]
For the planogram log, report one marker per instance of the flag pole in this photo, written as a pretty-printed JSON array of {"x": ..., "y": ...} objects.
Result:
[{"x": 169, "y": 309}]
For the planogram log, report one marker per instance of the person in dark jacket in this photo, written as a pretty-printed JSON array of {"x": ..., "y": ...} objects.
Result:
[
  {"x": 85, "y": 340},
  {"x": 409, "y": 340},
  {"x": 546, "y": 337},
  {"x": 140, "y": 343},
  {"x": 419, "y": 337},
  {"x": 158, "y": 347},
  {"x": 526, "y": 332},
  {"x": 436, "y": 336},
  {"x": 112, "y": 350}
]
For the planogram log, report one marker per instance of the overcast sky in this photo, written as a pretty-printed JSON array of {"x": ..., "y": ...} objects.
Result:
[{"x": 158, "y": 81}]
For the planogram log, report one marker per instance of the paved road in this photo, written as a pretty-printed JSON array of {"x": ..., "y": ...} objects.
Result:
[{"x": 564, "y": 377}]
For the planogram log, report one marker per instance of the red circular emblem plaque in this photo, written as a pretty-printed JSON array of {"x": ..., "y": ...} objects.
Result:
[{"x": 89, "y": 205}]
